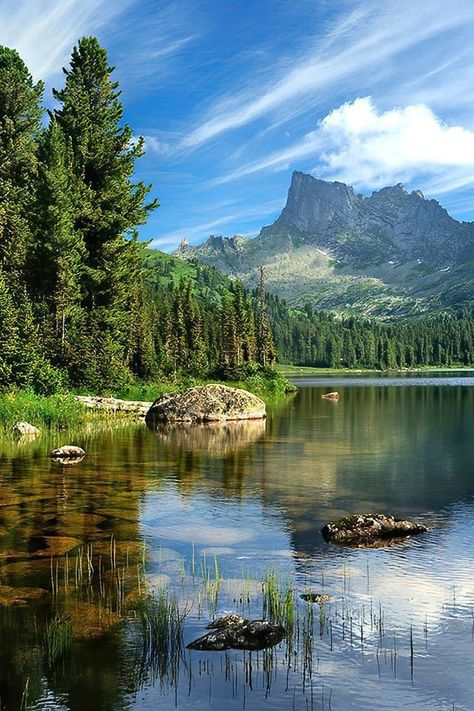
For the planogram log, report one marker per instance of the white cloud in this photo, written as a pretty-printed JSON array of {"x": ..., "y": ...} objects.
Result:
[
  {"x": 361, "y": 46},
  {"x": 44, "y": 32},
  {"x": 365, "y": 147}
]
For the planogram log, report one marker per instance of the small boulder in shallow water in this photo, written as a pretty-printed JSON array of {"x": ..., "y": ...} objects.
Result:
[
  {"x": 317, "y": 598},
  {"x": 369, "y": 529},
  {"x": 330, "y": 396},
  {"x": 235, "y": 632},
  {"x": 24, "y": 428},
  {"x": 68, "y": 451}
]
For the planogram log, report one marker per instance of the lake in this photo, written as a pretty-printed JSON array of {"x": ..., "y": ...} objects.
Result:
[{"x": 209, "y": 512}]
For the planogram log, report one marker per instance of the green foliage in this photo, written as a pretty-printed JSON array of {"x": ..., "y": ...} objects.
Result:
[
  {"x": 57, "y": 639},
  {"x": 54, "y": 411}
]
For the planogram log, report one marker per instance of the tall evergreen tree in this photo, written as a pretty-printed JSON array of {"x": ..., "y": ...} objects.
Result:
[
  {"x": 265, "y": 346},
  {"x": 108, "y": 204},
  {"x": 20, "y": 119}
]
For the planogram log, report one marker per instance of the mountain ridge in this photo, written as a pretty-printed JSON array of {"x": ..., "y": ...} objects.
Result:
[{"x": 390, "y": 253}]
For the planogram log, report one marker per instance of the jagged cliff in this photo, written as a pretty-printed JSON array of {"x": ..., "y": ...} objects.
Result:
[{"x": 393, "y": 252}]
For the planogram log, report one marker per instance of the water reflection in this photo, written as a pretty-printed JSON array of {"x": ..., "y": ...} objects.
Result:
[{"x": 231, "y": 501}]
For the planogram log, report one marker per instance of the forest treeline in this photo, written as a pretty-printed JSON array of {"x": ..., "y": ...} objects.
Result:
[
  {"x": 324, "y": 340},
  {"x": 77, "y": 306},
  {"x": 84, "y": 303}
]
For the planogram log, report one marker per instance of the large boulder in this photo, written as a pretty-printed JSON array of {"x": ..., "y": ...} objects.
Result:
[
  {"x": 206, "y": 403},
  {"x": 235, "y": 632},
  {"x": 369, "y": 529}
]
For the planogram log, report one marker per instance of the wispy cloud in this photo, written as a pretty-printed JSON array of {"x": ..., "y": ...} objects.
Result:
[
  {"x": 198, "y": 231},
  {"x": 363, "y": 41},
  {"x": 44, "y": 32}
]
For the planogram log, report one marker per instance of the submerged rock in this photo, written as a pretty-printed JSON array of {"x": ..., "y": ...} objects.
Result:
[
  {"x": 68, "y": 451},
  {"x": 317, "y": 598},
  {"x": 24, "y": 428},
  {"x": 331, "y": 396},
  {"x": 369, "y": 529},
  {"x": 235, "y": 632},
  {"x": 206, "y": 403}
]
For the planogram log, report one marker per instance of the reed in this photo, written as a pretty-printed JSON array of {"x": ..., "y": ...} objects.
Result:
[
  {"x": 57, "y": 639},
  {"x": 159, "y": 636}
]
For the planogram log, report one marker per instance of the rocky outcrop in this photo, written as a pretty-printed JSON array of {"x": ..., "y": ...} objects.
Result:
[
  {"x": 206, "y": 403},
  {"x": 68, "y": 451},
  {"x": 369, "y": 529},
  {"x": 113, "y": 404},
  {"x": 390, "y": 252},
  {"x": 24, "y": 428},
  {"x": 235, "y": 632}
]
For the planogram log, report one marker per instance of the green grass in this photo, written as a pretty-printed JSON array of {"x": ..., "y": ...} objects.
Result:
[
  {"x": 267, "y": 384},
  {"x": 54, "y": 411},
  {"x": 57, "y": 639}
]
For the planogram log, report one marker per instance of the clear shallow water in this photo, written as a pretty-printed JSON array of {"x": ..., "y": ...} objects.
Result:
[{"x": 253, "y": 497}]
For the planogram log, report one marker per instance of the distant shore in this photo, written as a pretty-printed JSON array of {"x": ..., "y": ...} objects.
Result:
[{"x": 292, "y": 370}]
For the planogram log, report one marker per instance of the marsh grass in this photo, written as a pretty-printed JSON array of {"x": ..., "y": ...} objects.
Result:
[
  {"x": 57, "y": 639},
  {"x": 51, "y": 412},
  {"x": 159, "y": 635},
  {"x": 278, "y": 601}
]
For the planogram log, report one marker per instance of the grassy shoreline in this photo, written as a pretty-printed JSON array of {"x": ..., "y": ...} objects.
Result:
[{"x": 63, "y": 411}]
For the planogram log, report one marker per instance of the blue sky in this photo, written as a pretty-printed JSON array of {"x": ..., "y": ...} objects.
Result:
[{"x": 233, "y": 96}]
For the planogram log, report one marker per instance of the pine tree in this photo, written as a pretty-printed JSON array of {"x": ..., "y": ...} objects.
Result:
[
  {"x": 59, "y": 251},
  {"x": 108, "y": 204},
  {"x": 20, "y": 120},
  {"x": 265, "y": 346}
]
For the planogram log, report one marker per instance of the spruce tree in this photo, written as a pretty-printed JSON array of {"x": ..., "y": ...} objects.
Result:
[
  {"x": 265, "y": 346},
  {"x": 20, "y": 120},
  {"x": 57, "y": 259},
  {"x": 109, "y": 205}
]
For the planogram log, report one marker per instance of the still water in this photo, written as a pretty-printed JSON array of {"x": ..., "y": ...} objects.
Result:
[{"x": 206, "y": 513}]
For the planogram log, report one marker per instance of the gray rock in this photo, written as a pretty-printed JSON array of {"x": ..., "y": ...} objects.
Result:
[
  {"x": 369, "y": 530},
  {"x": 317, "y": 598},
  {"x": 68, "y": 451},
  {"x": 113, "y": 404},
  {"x": 24, "y": 428},
  {"x": 206, "y": 403},
  {"x": 235, "y": 632}
]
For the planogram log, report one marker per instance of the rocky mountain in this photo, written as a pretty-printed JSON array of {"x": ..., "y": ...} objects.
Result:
[{"x": 394, "y": 252}]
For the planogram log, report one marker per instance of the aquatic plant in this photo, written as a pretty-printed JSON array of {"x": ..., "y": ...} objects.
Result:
[
  {"x": 57, "y": 639},
  {"x": 159, "y": 635}
]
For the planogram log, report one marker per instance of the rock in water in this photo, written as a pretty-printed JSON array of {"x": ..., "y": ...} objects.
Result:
[
  {"x": 24, "y": 428},
  {"x": 68, "y": 451},
  {"x": 206, "y": 403},
  {"x": 235, "y": 632},
  {"x": 317, "y": 598},
  {"x": 369, "y": 529},
  {"x": 331, "y": 396}
]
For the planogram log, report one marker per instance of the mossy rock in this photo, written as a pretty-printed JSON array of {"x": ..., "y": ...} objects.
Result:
[{"x": 374, "y": 530}]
